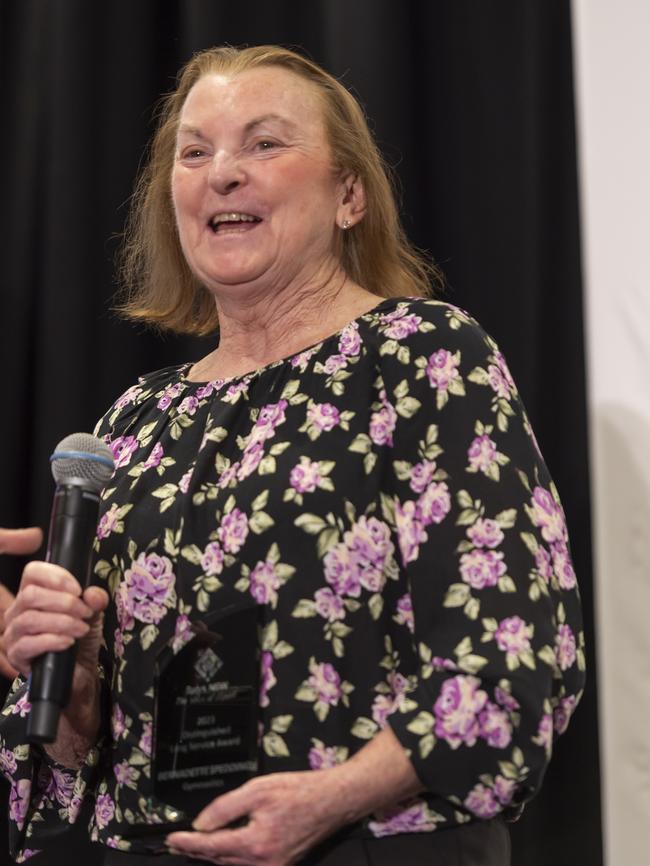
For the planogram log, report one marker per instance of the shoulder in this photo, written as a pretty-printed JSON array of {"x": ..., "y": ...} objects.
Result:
[
  {"x": 132, "y": 403},
  {"x": 432, "y": 336}
]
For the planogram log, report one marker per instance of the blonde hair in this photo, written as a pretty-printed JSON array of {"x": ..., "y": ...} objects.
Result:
[{"x": 160, "y": 287}]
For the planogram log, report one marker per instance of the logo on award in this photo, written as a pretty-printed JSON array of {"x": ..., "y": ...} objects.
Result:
[{"x": 207, "y": 664}]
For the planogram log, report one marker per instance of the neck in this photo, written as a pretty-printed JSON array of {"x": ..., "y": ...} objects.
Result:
[{"x": 256, "y": 330}]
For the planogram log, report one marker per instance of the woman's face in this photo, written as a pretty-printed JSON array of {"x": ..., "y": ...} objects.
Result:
[{"x": 254, "y": 191}]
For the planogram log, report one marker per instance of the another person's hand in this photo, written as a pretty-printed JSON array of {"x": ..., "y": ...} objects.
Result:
[
  {"x": 51, "y": 612},
  {"x": 18, "y": 542}
]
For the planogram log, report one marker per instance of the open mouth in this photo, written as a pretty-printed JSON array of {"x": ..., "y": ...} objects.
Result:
[{"x": 226, "y": 223}]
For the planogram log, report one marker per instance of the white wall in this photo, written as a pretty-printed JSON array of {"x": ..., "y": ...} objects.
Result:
[{"x": 612, "y": 50}]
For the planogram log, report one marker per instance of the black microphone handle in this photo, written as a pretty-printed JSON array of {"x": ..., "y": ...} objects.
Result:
[{"x": 73, "y": 524}]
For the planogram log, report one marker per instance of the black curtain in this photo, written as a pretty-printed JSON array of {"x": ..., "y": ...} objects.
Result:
[{"x": 471, "y": 101}]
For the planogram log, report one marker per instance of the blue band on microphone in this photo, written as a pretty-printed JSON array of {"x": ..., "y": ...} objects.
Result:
[{"x": 82, "y": 455}]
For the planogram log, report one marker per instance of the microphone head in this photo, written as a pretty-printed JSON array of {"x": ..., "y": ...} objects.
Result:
[{"x": 83, "y": 459}]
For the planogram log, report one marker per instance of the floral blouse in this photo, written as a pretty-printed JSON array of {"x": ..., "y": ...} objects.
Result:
[{"x": 381, "y": 495}]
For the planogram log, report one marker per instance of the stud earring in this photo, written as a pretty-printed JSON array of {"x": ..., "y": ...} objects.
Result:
[{"x": 346, "y": 224}]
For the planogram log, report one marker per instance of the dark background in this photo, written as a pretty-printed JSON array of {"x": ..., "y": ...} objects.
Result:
[{"x": 471, "y": 101}]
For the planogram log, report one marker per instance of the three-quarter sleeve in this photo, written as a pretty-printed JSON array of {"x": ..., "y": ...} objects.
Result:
[
  {"x": 492, "y": 597},
  {"x": 45, "y": 798}
]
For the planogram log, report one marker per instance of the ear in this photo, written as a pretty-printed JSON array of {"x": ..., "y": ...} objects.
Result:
[{"x": 352, "y": 207}]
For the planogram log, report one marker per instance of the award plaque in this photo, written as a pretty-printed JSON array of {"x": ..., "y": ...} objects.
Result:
[{"x": 205, "y": 723}]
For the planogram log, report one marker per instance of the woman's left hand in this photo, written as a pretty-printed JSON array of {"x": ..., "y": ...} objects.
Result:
[{"x": 288, "y": 813}]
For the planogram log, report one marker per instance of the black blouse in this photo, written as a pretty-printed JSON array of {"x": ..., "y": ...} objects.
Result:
[{"x": 382, "y": 496}]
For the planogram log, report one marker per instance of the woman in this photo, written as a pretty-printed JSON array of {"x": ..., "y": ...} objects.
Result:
[{"x": 353, "y": 456}]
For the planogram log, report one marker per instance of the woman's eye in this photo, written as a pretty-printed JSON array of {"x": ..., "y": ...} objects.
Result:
[{"x": 265, "y": 144}]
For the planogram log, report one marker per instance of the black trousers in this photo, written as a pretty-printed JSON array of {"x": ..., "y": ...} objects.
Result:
[{"x": 486, "y": 843}]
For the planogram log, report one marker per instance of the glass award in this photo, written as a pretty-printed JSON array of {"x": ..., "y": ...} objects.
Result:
[{"x": 205, "y": 723}]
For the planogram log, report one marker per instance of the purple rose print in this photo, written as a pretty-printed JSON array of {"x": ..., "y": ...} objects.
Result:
[
  {"x": 482, "y": 568},
  {"x": 499, "y": 377},
  {"x": 129, "y": 396},
  {"x": 118, "y": 725},
  {"x": 435, "y": 503},
  {"x": 250, "y": 459},
  {"x": 146, "y": 741},
  {"x": 341, "y": 572},
  {"x": 300, "y": 361},
  {"x": 495, "y": 727},
  {"x": 543, "y": 563},
  {"x": 485, "y": 533},
  {"x": 506, "y": 700},
  {"x": 233, "y": 531},
  {"x": 414, "y": 818},
  {"x": 188, "y": 405},
  {"x": 326, "y": 682},
  {"x": 322, "y": 757},
  {"x": 335, "y": 363},
  {"x": 169, "y": 394},
  {"x": 268, "y": 679},
  {"x": 410, "y": 530},
  {"x": 562, "y": 565},
  {"x": 350, "y": 341},
  {"x": 421, "y": 475},
  {"x": 183, "y": 632},
  {"x": 361, "y": 559},
  {"x": 513, "y": 636},
  {"x": 153, "y": 460},
  {"x": 124, "y": 774},
  {"x": 403, "y": 326},
  {"x": 329, "y": 605},
  {"x": 8, "y": 765},
  {"x": 563, "y": 712},
  {"x": 504, "y": 789},
  {"x": 323, "y": 416},
  {"x": 404, "y": 614},
  {"x": 544, "y": 736},
  {"x": 212, "y": 559},
  {"x": 457, "y": 710},
  {"x": 264, "y": 583},
  {"x": 442, "y": 369},
  {"x": 482, "y": 453},
  {"x": 123, "y": 449},
  {"x": 184, "y": 483},
  {"x": 270, "y": 417},
  {"x": 19, "y": 801},
  {"x": 482, "y": 802},
  {"x": 22, "y": 707},
  {"x": 108, "y": 522},
  {"x": 565, "y": 647},
  {"x": 382, "y": 422},
  {"x": 148, "y": 588},
  {"x": 104, "y": 810},
  {"x": 547, "y": 515},
  {"x": 305, "y": 476}
]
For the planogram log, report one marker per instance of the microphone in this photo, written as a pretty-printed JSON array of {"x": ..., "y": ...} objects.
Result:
[{"x": 81, "y": 465}]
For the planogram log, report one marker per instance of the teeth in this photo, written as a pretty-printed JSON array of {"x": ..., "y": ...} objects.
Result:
[{"x": 233, "y": 218}]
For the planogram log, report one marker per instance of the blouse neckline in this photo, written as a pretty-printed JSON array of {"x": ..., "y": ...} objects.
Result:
[{"x": 184, "y": 368}]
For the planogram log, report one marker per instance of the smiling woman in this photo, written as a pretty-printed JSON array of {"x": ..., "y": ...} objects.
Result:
[
  {"x": 292, "y": 105},
  {"x": 353, "y": 463}
]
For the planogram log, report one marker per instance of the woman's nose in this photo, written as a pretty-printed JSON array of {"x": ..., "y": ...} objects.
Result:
[{"x": 226, "y": 173}]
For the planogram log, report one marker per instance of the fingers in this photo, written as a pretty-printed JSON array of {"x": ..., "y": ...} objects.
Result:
[
  {"x": 6, "y": 669},
  {"x": 225, "y": 809},
  {"x": 96, "y": 598},
  {"x": 223, "y": 846},
  {"x": 49, "y": 575},
  {"x": 48, "y": 614},
  {"x": 20, "y": 541}
]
